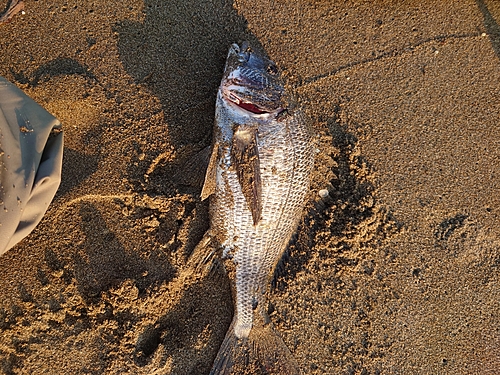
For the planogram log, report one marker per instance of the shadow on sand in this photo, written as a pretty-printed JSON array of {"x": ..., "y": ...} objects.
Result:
[
  {"x": 178, "y": 52},
  {"x": 491, "y": 25}
]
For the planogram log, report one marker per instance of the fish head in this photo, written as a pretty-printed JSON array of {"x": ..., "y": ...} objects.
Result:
[{"x": 252, "y": 83}]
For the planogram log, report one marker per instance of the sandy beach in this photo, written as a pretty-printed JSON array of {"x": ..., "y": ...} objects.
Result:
[{"x": 396, "y": 272}]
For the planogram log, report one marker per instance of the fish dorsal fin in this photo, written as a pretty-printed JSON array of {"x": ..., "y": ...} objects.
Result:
[
  {"x": 192, "y": 171},
  {"x": 245, "y": 158},
  {"x": 211, "y": 175}
]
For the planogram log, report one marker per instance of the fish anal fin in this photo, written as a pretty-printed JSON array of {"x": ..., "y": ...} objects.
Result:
[
  {"x": 204, "y": 260},
  {"x": 211, "y": 175},
  {"x": 245, "y": 158},
  {"x": 262, "y": 352}
]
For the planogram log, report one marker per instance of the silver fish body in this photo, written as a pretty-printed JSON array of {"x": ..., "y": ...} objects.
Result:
[{"x": 258, "y": 179}]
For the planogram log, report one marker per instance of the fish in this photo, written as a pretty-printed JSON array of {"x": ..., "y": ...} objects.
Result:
[{"x": 258, "y": 180}]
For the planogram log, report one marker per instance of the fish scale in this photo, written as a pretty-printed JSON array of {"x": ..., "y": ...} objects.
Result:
[{"x": 258, "y": 180}]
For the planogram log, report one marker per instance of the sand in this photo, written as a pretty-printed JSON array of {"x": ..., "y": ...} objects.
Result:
[{"x": 396, "y": 272}]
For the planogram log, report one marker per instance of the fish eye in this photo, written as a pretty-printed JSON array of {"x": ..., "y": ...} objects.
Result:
[{"x": 272, "y": 69}]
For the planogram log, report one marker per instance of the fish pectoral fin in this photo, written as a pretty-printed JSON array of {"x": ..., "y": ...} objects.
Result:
[
  {"x": 211, "y": 174},
  {"x": 245, "y": 158}
]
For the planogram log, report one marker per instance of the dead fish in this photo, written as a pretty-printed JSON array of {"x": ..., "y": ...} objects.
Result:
[{"x": 258, "y": 179}]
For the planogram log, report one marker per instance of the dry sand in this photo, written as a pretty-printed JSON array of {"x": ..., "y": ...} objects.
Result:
[{"x": 397, "y": 273}]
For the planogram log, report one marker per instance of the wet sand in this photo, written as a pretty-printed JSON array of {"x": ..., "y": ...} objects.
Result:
[{"x": 397, "y": 272}]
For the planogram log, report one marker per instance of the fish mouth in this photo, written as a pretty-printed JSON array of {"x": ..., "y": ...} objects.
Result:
[
  {"x": 250, "y": 99},
  {"x": 252, "y": 92},
  {"x": 247, "y": 106}
]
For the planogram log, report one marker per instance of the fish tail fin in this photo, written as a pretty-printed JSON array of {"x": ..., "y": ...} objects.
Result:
[{"x": 262, "y": 352}]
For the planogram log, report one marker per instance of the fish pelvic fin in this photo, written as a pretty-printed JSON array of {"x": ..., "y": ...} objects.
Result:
[{"x": 263, "y": 352}]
